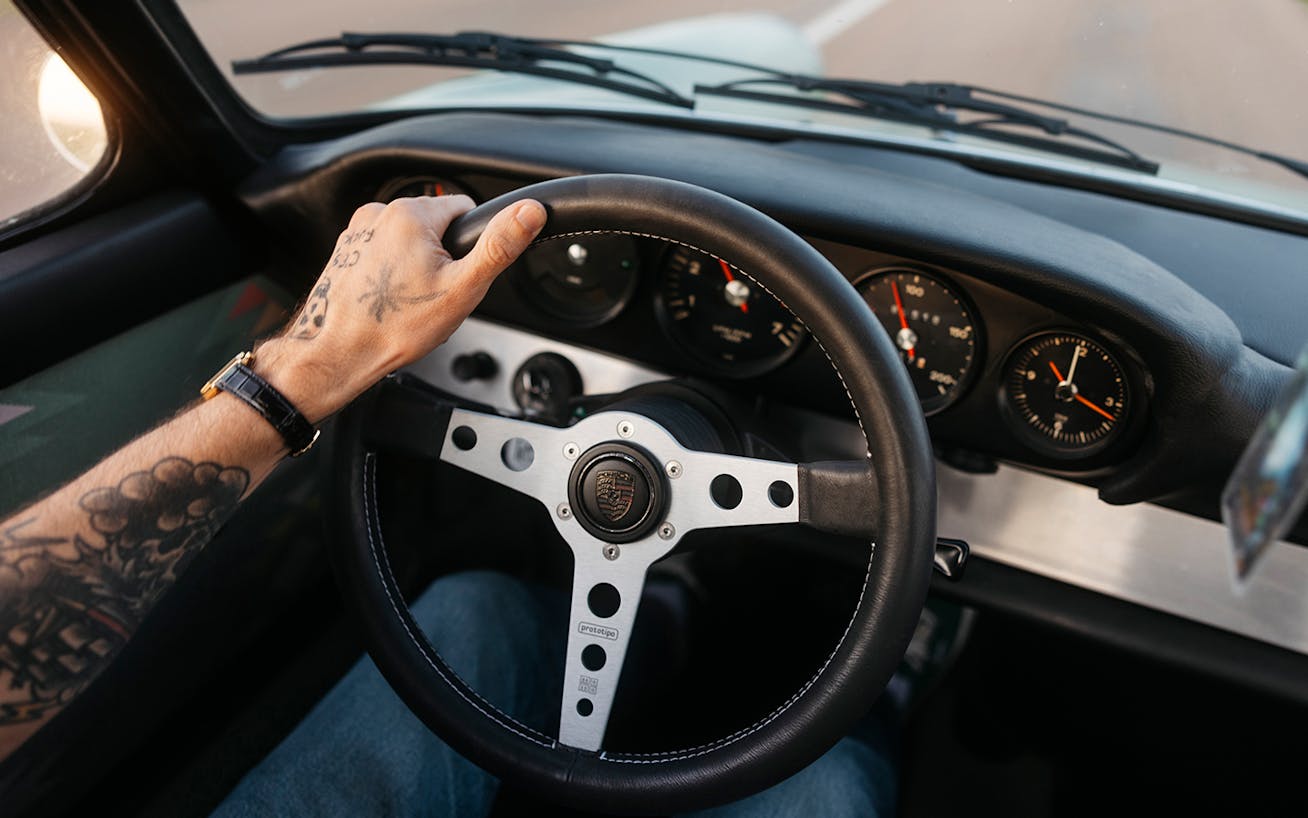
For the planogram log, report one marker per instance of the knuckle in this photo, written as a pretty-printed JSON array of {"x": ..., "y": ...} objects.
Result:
[
  {"x": 405, "y": 216},
  {"x": 499, "y": 252},
  {"x": 365, "y": 211}
]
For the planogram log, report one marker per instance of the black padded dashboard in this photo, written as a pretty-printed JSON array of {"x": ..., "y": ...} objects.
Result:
[{"x": 1086, "y": 260}]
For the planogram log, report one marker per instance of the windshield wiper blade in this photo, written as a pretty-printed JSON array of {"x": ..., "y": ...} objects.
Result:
[
  {"x": 470, "y": 49},
  {"x": 1296, "y": 166},
  {"x": 936, "y": 105}
]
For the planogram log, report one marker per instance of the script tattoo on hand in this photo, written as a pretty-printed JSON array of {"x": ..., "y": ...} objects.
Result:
[
  {"x": 314, "y": 314},
  {"x": 348, "y": 252},
  {"x": 384, "y": 297},
  {"x": 69, "y": 603}
]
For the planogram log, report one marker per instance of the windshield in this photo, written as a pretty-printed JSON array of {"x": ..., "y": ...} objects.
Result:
[{"x": 1229, "y": 70}]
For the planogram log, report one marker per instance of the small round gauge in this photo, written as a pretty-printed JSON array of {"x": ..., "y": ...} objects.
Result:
[
  {"x": 722, "y": 318},
  {"x": 585, "y": 281},
  {"x": 932, "y": 327},
  {"x": 1066, "y": 394},
  {"x": 418, "y": 186}
]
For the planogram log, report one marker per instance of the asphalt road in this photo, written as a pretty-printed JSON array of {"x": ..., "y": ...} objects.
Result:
[{"x": 1229, "y": 68}]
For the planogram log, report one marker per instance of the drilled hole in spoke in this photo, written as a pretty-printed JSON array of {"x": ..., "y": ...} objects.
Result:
[
  {"x": 726, "y": 491},
  {"x": 781, "y": 494},
  {"x": 604, "y": 600},
  {"x": 517, "y": 454},
  {"x": 593, "y": 657},
  {"x": 464, "y": 438},
  {"x": 585, "y": 707}
]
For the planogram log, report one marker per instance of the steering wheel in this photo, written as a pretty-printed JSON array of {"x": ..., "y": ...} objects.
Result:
[{"x": 625, "y": 484}]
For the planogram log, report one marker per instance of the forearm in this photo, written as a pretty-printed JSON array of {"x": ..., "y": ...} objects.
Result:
[{"x": 80, "y": 569}]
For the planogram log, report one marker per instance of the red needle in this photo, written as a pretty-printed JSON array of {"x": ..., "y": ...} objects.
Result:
[
  {"x": 726, "y": 271},
  {"x": 1078, "y": 398},
  {"x": 1085, "y": 402},
  {"x": 903, "y": 319}
]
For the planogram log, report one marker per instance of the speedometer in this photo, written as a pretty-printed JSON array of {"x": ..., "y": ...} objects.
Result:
[
  {"x": 723, "y": 319},
  {"x": 933, "y": 328}
]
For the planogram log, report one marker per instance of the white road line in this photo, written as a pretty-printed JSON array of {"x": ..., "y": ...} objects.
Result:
[{"x": 831, "y": 23}]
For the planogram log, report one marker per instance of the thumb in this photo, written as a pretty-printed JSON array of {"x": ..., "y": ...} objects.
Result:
[{"x": 505, "y": 238}]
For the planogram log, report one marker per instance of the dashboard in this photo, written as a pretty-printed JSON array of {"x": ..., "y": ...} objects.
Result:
[
  {"x": 1001, "y": 376},
  {"x": 1089, "y": 365}
]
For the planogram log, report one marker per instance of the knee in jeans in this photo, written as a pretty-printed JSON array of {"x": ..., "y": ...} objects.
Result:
[{"x": 485, "y": 596}]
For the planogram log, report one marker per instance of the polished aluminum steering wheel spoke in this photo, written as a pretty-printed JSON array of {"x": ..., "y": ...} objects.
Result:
[
  {"x": 703, "y": 489},
  {"x": 518, "y": 454},
  {"x": 622, "y": 491},
  {"x": 607, "y": 583}
]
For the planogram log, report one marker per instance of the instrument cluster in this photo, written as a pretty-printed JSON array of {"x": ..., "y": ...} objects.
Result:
[
  {"x": 983, "y": 362},
  {"x": 1063, "y": 393}
]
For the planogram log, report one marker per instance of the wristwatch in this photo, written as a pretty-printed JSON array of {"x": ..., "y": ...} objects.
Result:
[{"x": 238, "y": 379}]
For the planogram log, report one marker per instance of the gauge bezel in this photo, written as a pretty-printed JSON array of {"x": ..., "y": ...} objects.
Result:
[
  {"x": 710, "y": 363},
  {"x": 387, "y": 192},
  {"x": 1042, "y": 444},
  {"x": 975, "y": 366},
  {"x": 544, "y": 304}
]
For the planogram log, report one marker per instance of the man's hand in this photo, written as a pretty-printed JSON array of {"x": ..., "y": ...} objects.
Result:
[{"x": 389, "y": 295}]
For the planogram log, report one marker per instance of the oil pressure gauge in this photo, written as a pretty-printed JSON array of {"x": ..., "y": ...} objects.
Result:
[{"x": 1065, "y": 394}]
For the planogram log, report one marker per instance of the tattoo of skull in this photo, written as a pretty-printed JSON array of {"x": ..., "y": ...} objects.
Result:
[{"x": 314, "y": 314}]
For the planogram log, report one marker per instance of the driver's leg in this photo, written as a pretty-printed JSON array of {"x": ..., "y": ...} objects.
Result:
[
  {"x": 361, "y": 752},
  {"x": 857, "y": 777}
]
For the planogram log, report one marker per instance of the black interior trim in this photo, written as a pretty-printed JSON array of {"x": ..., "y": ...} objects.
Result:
[
  {"x": 1145, "y": 631},
  {"x": 108, "y": 274}
]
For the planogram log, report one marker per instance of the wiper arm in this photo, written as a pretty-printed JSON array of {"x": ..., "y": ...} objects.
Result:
[
  {"x": 520, "y": 55},
  {"x": 935, "y": 105}
]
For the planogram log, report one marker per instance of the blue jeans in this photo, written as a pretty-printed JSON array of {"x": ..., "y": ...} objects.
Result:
[{"x": 360, "y": 752}]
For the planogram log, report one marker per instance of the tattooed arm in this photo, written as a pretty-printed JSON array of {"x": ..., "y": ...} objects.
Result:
[{"x": 80, "y": 569}]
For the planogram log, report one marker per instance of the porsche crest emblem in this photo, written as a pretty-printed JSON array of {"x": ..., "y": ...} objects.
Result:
[{"x": 614, "y": 493}]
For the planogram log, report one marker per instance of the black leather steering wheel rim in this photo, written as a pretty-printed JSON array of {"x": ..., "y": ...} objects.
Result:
[{"x": 899, "y": 564}]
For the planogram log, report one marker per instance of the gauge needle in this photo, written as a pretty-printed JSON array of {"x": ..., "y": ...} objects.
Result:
[
  {"x": 903, "y": 320},
  {"x": 1077, "y": 397},
  {"x": 726, "y": 271}
]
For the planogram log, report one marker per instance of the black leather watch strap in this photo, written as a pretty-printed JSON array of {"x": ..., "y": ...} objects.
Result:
[{"x": 239, "y": 380}]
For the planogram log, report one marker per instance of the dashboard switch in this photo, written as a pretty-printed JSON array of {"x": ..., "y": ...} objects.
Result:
[
  {"x": 951, "y": 556},
  {"x": 474, "y": 366},
  {"x": 545, "y": 385}
]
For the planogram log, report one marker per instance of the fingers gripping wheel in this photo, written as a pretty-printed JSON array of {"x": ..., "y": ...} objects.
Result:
[{"x": 606, "y": 483}]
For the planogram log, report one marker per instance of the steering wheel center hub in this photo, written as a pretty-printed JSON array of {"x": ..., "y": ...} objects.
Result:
[{"x": 617, "y": 492}]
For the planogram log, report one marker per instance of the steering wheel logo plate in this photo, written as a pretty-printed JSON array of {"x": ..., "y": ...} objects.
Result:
[{"x": 617, "y": 492}]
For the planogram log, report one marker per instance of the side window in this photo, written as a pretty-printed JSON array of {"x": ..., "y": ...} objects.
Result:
[{"x": 53, "y": 133}]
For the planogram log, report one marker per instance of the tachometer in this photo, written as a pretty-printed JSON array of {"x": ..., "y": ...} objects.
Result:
[
  {"x": 932, "y": 326},
  {"x": 723, "y": 319},
  {"x": 1066, "y": 394}
]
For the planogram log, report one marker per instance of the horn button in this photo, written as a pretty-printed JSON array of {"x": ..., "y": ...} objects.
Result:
[{"x": 617, "y": 492}]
